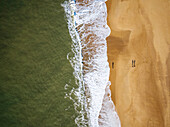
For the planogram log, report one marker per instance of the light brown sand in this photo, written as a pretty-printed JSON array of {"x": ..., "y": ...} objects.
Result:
[{"x": 140, "y": 30}]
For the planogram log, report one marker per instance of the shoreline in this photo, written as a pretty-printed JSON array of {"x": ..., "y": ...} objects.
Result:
[
  {"x": 140, "y": 93},
  {"x": 85, "y": 19}
]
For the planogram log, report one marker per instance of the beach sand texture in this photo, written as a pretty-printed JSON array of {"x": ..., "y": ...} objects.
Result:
[{"x": 140, "y": 31}]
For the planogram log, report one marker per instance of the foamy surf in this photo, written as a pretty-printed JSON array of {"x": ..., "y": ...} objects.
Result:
[{"x": 87, "y": 24}]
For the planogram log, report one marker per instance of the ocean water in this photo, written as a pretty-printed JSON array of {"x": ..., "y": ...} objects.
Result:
[
  {"x": 34, "y": 43},
  {"x": 87, "y": 24}
]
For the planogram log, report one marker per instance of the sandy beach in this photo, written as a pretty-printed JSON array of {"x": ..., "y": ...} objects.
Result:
[{"x": 140, "y": 31}]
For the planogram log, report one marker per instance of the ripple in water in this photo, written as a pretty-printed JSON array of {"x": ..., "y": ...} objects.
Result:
[{"x": 87, "y": 24}]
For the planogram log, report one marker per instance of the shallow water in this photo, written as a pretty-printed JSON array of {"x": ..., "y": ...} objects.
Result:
[{"x": 87, "y": 24}]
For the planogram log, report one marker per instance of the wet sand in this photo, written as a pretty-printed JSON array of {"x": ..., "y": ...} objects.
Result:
[{"x": 140, "y": 31}]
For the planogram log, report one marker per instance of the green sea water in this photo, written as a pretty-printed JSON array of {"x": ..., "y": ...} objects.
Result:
[{"x": 34, "y": 42}]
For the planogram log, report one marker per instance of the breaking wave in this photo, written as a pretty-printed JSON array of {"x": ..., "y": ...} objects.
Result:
[{"x": 87, "y": 24}]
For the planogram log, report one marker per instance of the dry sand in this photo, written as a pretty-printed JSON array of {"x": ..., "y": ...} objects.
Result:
[{"x": 140, "y": 30}]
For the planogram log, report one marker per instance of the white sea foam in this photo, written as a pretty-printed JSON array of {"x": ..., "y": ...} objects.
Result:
[{"x": 89, "y": 60}]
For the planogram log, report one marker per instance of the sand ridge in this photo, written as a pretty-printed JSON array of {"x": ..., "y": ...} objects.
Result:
[{"x": 140, "y": 31}]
